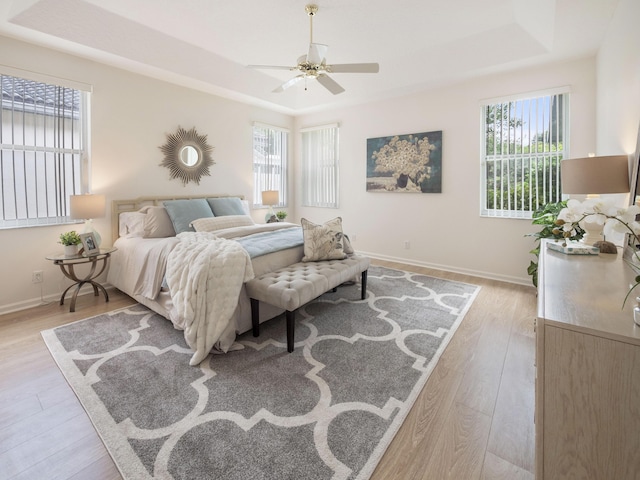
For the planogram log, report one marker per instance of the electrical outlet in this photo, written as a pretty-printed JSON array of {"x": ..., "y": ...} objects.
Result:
[
  {"x": 353, "y": 237},
  {"x": 407, "y": 245},
  {"x": 36, "y": 276}
]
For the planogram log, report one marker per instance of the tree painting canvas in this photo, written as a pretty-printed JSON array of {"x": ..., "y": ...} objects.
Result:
[{"x": 405, "y": 163}]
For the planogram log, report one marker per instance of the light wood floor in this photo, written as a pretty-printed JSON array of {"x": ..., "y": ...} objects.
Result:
[{"x": 473, "y": 420}]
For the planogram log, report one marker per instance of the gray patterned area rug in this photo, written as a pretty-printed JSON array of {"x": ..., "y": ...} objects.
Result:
[{"x": 326, "y": 411}]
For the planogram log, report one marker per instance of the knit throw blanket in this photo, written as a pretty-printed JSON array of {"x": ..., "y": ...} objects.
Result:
[{"x": 205, "y": 275}]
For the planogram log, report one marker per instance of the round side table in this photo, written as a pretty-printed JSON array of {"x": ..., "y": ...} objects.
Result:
[{"x": 98, "y": 261}]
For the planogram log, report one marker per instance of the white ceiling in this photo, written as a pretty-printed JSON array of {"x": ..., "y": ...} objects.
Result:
[{"x": 207, "y": 44}]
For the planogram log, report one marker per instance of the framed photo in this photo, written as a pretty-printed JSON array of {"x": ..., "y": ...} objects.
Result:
[
  {"x": 410, "y": 163},
  {"x": 89, "y": 243}
]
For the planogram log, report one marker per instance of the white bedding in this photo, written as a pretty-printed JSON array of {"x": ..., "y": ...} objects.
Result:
[
  {"x": 205, "y": 274},
  {"x": 138, "y": 268}
]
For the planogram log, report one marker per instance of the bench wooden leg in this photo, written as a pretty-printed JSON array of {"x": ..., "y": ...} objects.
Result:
[
  {"x": 291, "y": 319},
  {"x": 363, "y": 295},
  {"x": 255, "y": 317}
]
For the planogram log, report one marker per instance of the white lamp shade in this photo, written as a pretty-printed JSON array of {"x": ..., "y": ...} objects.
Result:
[
  {"x": 270, "y": 197},
  {"x": 87, "y": 206},
  {"x": 595, "y": 175}
]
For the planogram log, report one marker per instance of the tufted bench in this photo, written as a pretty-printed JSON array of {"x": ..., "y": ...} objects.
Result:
[{"x": 293, "y": 286}]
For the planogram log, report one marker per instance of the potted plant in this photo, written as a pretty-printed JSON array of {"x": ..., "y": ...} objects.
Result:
[
  {"x": 281, "y": 215},
  {"x": 547, "y": 217},
  {"x": 70, "y": 241}
]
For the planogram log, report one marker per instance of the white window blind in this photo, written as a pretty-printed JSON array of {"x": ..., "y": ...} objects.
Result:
[
  {"x": 523, "y": 142},
  {"x": 320, "y": 166},
  {"x": 43, "y": 151},
  {"x": 270, "y": 155}
]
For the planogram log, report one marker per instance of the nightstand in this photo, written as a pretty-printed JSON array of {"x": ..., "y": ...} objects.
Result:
[{"x": 98, "y": 261}]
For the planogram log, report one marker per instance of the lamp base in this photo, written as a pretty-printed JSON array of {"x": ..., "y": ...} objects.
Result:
[
  {"x": 606, "y": 247},
  {"x": 88, "y": 228},
  {"x": 269, "y": 217},
  {"x": 592, "y": 231}
]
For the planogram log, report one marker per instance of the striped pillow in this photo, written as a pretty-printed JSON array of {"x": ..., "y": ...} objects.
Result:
[{"x": 211, "y": 224}]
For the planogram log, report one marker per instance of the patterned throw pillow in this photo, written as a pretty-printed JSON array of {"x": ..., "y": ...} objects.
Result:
[
  {"x": 348, "y": 249},
  {"x": 323, "y": 242}
]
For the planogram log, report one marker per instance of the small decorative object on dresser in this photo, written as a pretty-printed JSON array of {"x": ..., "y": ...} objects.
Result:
[
  {"x": 573, "y": 248},
  {"x": 636, "y": 312},
  {"x": 281, "y": 215}
]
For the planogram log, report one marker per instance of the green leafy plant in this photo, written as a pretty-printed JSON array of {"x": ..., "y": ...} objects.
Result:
[
  {"x": 547, "y": 217},
  {"x": 70, "y": 238},
  {"x": 281, "y": 215}
]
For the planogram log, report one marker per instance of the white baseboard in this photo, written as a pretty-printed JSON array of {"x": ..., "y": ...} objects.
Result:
[
  {"x": 464, "y": 271},
  {"x": 46, "y": 300}
]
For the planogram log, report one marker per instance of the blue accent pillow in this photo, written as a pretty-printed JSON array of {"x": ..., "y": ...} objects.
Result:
[
  {"x": 226, "y": 206},
  {"x": 183, "y": 212}
]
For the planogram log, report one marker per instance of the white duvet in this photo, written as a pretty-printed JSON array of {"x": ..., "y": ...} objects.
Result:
[{"x": 205, "y": 274}]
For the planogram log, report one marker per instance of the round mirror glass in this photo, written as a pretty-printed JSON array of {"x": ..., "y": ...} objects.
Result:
[{"x": 188, "y": 155}]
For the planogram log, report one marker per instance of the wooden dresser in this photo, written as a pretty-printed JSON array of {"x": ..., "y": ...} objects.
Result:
[{"x": 587, "y": 369}]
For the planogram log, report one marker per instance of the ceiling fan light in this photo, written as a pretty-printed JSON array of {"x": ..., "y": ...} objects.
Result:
[{"x": 313, "y": 64}]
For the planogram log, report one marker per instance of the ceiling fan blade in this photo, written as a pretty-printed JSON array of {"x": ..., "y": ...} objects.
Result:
[
  {"x": 317, "y": 52},
  {"x": 288, "y": 83},
  {"x": 354, "y": 68},
  {"x": 330, "y": 84},
  {"x": 276, "y": 67}
]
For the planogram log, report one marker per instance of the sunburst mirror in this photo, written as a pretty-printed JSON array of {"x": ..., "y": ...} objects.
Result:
[{"x": 187, "y": 155}]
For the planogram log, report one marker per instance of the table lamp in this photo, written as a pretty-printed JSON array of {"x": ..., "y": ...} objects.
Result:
[
  {"x": 87, "y": 207},
  {"x": 271, "y": 198},
  {"x": 593, "y": 176}
]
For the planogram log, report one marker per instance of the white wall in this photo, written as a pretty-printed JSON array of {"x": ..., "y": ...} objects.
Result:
[
  {"x": 618, "y": 78},
  {"x": 131, "y": 115},
  {"x": 445, "y": 230}
]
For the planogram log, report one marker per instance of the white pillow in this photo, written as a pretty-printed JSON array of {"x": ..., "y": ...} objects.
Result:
[
  {"x": 131, "y": 224},
  {"x": 157, "y": 223},
  {"x": 211, "y": 224}
]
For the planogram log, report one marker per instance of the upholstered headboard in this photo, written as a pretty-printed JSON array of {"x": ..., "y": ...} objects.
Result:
[{"x": 120, "y": 206}]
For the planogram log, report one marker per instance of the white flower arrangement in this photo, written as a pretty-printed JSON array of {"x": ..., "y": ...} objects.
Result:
[
  {"x": 605, "y": 213},
  {"x": 602, "y": 212}
]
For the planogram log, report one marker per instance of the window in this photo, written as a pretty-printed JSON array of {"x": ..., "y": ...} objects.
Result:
[
  {"x": 43, "y": 151},
  {"x": 270, "y": 152},
  {"x": 523, "y": 142},
  {"x": 320, "y": 166}
]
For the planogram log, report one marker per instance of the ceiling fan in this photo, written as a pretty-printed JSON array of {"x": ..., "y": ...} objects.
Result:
[{"x": 313, "y": 65}]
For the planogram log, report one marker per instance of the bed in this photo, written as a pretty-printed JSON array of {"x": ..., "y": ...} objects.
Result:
[{"x": 155, "y": 240}]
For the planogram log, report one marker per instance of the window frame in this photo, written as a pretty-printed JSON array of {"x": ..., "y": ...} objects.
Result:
[
  {"x": 321, "y": 190},
  {"x": 31, "y": 206},
  {"x": 271, "y": 181},
  {"x": 545, "y": 159}
]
